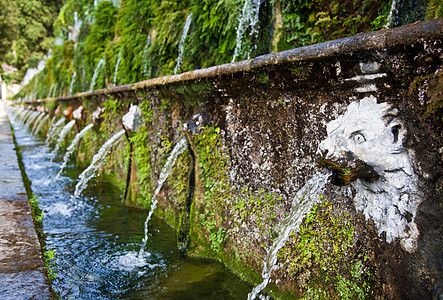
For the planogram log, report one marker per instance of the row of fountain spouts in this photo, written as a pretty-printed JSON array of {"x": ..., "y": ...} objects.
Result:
[
  {"x": 130, "y": 121},
  {"x": 302, "y": 203}
]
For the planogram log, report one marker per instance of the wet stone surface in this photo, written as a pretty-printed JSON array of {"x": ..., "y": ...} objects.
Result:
[{"x": 22, "y": 270}]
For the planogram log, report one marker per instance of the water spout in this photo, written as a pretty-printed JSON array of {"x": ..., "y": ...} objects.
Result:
[
  {"x": 31, "y": 119},
  {"x": 50, "y": 90},
  {"x": 37, "y": 121},
  {"x": 302, "y": 203},
  {"x": 53, "y": 130},
  {"x": 71, "y": 149},
  {"x": 97, "y": 161},
  {"x": 131, "y": 120},
  {"x": 78, "y": 113},
  {"x": 39, "y": 125},
  {"x": 181, "y": 45},
  {"x": 166, "y": 171},
  {"x": 62, "y": 136},
  {"x": 392, "y": 12}
]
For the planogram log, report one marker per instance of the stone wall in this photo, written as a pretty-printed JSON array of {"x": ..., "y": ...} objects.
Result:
[{"x": 258, "y": 130}]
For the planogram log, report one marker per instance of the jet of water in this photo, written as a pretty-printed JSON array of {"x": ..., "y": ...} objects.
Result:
[
  {"x": 50, "y": 90},
  {"x": 392, "y": 12},
  {"x": 181, "y": 45},
  {"x": 37, "y": 127},
  {"x": 305, "y": 198},
  {"x": 166, "y": 171},
  {"x": 53, "y": 130},
  {"x": 31, "y": 119},
  {"x": 97, "y": 161},
  {"x": 71, "y": 149},
  {"x": 62, "y": 136},
  {"x": 37, "y": 121}
]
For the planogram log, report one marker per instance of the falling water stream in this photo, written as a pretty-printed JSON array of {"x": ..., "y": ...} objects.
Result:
[
  {"x": 166, "y": 171},
  {"x": 181, "y": 45},
  {"x": 302, "y": 203},
  {"x": 146, "y": 72},
  {"x": 248, "y": 19},
  {"x": 100, "y": 64},
  {"x": 71, "y": 149},
  {"x": 31, "y": 118},
  {"x": 37, "y": 121},
  {"x": 98, "y": 159},
  {"x": 96, "y": 244},
  {"x": 50, "y": 91},
  {"x": 119, "y": 58},
  {"x": 53, "y": 130},
  {"x": 39, "y": 124},
  {"x": 71, "y": 85},
  {"x": 62, "y": 135}
]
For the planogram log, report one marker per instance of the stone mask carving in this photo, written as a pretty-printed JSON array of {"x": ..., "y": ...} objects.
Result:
[
  {"x": 97, "y": 115},
  {"x": 131, "y": 120},
  {"x": 78, "y": 113},
  {"x": 198, "y": 122},
  {"x": 372, "y": 133}
]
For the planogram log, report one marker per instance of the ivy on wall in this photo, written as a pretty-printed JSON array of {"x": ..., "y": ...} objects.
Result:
[{"x": 143, "y": 37}]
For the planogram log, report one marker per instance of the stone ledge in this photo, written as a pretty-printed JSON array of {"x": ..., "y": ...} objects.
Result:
[{"x": 22, "y": 269}]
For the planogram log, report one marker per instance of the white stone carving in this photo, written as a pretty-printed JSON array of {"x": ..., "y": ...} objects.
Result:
[
  {"x": 96, "y": 115},
  {"x": 374, "y": 134},
  {"x": 78, "y": 113},
  {"x": 131, "y": 120}
]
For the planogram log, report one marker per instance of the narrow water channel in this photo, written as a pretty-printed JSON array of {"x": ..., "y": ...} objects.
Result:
[{"x": 96, "y": 240}]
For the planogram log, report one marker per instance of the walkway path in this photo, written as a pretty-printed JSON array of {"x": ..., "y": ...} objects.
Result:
[{"x": 22, "y": 270}]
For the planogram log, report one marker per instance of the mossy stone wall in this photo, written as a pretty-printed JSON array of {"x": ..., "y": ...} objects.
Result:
[{"x": 236, "y": 182}]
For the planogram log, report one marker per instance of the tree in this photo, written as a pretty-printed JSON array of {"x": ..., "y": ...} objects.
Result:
[{"x": 8, "y": 25}]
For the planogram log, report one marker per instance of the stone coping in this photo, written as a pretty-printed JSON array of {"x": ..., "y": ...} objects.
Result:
[{"x": 387, "y": 38}]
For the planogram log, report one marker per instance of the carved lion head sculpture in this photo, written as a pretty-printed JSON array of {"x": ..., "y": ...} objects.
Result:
[{"x": 372, "y": 133}]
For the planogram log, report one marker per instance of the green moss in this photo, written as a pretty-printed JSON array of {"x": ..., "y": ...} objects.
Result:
[
  {"x": 193, "y": 92},
  {"x": 434, "y": 9},
  {"x": 207, "y": 216},
  {"x": 324, "y": 259},
  {"x": 307, "y": 22}
]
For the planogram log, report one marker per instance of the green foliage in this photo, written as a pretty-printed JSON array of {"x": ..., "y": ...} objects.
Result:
[
  {"x": 434, "y": 9},
  {"x": 8, "y": 24},
  {"x": 37, "y": 213},
  {"x": 49, "y": 256},
  {"x": 214, "y": 23},
  {"x": 30, "y": 28},
  {"x": 101, "y": 33},
  {"x": 307, "y": 22},
  {"x": 324, "y": 258}
]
